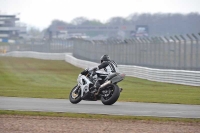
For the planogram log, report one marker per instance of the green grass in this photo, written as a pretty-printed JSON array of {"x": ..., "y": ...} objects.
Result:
[
  {"x": 97, "y": 116},
  {"x": 140, "y": 90},
  {"x": 26, "y": 77},
  {"x": 4, "y": 44}
]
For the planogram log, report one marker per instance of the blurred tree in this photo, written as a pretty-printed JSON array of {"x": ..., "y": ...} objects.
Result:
[
  {"x": 79, "y": 20},
  {"x": 158, "y": 23},
  {"x": 117, "y": 21},
  {"x": 34, "y": 32}
]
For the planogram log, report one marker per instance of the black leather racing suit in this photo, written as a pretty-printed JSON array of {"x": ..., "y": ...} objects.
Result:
[{"x": 109, "y": 67}]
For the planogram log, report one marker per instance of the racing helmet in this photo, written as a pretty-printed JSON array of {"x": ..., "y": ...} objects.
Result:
[{"x": 105, "y": 58}]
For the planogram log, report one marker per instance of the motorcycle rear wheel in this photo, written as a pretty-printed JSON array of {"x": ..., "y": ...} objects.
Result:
[{"x": 113, "y": 95}]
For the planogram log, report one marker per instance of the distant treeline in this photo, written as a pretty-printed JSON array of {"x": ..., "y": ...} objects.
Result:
[{"x": 158, "y": 23}]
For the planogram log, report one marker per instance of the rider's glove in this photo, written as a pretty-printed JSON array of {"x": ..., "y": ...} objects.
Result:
[{"x": 95, "y": 68}]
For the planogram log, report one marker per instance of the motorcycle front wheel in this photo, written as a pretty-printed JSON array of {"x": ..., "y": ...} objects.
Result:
[
  {"x": 110, "y": 95},
  {"x": 75, "y": 95}
]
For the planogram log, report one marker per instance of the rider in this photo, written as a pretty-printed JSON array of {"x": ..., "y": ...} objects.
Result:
[{"x": 109, "y": 67}]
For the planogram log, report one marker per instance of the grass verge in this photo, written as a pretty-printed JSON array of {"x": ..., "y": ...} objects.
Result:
[
  {"x": 97, "y": 116},
  {"x": 26, "y": 77},
  {"x": 3, "y": 44}
]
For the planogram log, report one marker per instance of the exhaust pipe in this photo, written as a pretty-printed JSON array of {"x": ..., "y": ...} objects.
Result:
[{"x": 103, "y": 85}]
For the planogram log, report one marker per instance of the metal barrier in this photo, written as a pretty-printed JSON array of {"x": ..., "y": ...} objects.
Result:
[
  {"x": 161, "y": 75},
  {"x": 174, "y": 52},
  {"x": 37, "y": 55},
  {"x": 39, "y": 45}
]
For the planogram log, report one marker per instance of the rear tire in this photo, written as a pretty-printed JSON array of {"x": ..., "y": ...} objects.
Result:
[
  {"x": 114, "y": 97},
  {"x": 75, "y": 95}
]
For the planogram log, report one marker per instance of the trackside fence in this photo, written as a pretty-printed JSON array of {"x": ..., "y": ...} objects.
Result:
[{"x": 175, "y": 52}]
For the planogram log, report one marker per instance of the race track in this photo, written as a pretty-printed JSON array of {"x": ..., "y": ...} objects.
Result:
[{"x": 96, "y": 107}]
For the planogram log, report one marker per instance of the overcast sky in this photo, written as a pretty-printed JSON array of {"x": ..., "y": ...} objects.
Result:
[{"x": 40, "y": 13}]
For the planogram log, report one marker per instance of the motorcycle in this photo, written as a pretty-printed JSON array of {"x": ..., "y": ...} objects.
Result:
[{"x": 108, "y": 91}]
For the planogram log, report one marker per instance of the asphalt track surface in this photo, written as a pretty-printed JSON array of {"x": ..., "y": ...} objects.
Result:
[{"x": 96, "y": 107}]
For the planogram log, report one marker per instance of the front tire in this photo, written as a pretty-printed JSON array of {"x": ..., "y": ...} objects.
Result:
[
  {"x": 113, "y": 96},
  {"x": 75, "y": 95}
]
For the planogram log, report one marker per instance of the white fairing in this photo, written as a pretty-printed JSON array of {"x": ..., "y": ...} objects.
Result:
[
  {"x": 102, "y": 73},
  {"x": 84, "y": 83}
]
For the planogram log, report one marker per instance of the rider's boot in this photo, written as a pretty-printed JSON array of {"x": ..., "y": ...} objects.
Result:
[{"x": 93, "y": 89}]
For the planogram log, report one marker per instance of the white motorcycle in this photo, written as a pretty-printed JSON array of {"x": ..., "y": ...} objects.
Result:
[{"x": 108, "y": 92}]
